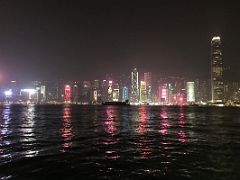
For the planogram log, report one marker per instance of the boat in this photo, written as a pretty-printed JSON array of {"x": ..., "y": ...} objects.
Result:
[{"x": 116, "y": 103}]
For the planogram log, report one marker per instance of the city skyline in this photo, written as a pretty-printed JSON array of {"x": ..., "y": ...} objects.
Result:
[{"x": 74, "y": 40}]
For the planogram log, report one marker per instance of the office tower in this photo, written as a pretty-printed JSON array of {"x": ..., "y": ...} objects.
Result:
[
  {"x": 104, "y": 90},
  {"x": 95, "y": 91},
  {"x": 116, "y": 92},
  {"x": 125, "y": 94},
  {"x": 170, "y": 89},
  {"x": 190, "y": 92},
  {"x": 52, "y": 91},
  {"x": 85, "y": 92},
  {"x": 110, "y": 91},
  {"x": 163, "y": 94},
  {"x": 75, "y": 92},
  {"x": 143, "y": 92},
  {"x": 67, "y": 93},
  {"x": 148, "y": 80},
  {"x": 216, "y": 70},
  {"x": 134, "y": 87},
  {"x": 43, "y": 93}
]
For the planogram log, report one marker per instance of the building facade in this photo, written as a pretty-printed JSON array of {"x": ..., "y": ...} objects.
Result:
[
  {"x": 134, "y": 87},
  {"x": 217, "y": 87}
]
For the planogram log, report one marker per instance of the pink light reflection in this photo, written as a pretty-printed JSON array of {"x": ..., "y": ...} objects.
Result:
[
  {"x": 164, "y": 124},
  {"x": 66, "y": 130},
  {"x": 109, "y": 122},
  {"x": 142, "y": 146},
  {"x": 142, "y": 120},
  {"x": 110, "y": 126}
]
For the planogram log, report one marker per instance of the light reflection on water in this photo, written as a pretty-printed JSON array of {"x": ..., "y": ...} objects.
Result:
[
  {"x": 5, "y": 131},
  {"x": 66, "y": 130},
  {"x": 120, "y": 142},
  {"x": 27, "y": 132},
  {"x": 111, "y": 127},
  {"x": 181, "y": 124}
]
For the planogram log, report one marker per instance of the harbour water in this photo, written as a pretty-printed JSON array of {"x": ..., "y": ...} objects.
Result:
[{"x": 111, "y": 142}]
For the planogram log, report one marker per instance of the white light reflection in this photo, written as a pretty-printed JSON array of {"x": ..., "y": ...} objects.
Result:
[
  {"x": 165, "y": 142},
  {"x": 164, "y": 124},
  {"x": 5, "y": 131},
  {"x": 27, "y": 131},
  {"x": 66, "y": 130},
  {"x": 181, "y": 122}
]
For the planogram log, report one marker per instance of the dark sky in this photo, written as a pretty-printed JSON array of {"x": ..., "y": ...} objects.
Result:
[{"x": 86, "y": 39}]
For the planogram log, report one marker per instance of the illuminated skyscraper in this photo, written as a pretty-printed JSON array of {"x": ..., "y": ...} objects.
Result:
[
  {"x": 169, "y": 93},
  {"x": 95, "y": 91},
  {"x": 148, "y": 80},
  {"x": 67, "y": 93},
  {"x": 75, "y": 94},
  {"x": 85, "y": 92},
  {"x": 190, "y": 92},
  {"x": 216, "y": 70},
  {"x": 163, "y": 94},
  {"x": 125, "y": 94},
  {"x": 116, "y": 92},
  {"x": 134, "y": 87},
  {"x": 110, "y": 91},
  {"x": 143, "y": 92}
]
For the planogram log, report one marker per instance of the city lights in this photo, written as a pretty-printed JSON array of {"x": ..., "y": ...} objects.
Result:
[
  {"x": 30, "y": 91},
  {"x": 8, "y": 93},
  {"x": 148, "y": 90}
]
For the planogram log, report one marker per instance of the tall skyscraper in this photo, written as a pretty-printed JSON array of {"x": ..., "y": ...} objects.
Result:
[
  {"x": 116, "y": 92},
  {"x": 216, "y": 70},
  {"x": 67, "y": 93},
  {"x": 190, "y": 92},
  {"x": 143, "y": 92},
  {"x": 148, "y": 80},
  {"x": 134, "y": 87},
  {"x": 125, "y": 94}
]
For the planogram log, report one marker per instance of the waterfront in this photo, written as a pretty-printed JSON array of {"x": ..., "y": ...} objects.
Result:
[{"x": 102, "y": 142}]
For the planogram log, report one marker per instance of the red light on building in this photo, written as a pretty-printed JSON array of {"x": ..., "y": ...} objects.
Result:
[{"x": 67, "y": 93}]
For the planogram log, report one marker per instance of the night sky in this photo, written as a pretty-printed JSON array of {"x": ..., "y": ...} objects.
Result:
[{"x": 80, "y": 40}]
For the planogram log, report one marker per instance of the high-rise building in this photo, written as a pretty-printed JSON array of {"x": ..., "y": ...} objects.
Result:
[
  {"x": 115, "y": 92},
  {"x": 163, "y": 94},
  {"x": 110, "y": 91},
  {"x": 190, "y": 92},
  {"x": 134, "y": 87},
  {"x": 143, "y": 92},
  {"x": 104, "y": 91},
  {"x": 67, "y": 93},
  {"x": 125, "y": 94},
  {"x": 51, "y": 91},
  {"x": 169, "y": 93},
  {"x": 85, "y": 92},
  {"x": 148, "y": 80},
  {"x": 75, "y": 92},
  {"x": 95, "y": 92},
  {"x": 216, "y": 70}
]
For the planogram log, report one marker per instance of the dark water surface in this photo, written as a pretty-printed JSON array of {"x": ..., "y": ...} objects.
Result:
[{"x": 106, "y": 142}]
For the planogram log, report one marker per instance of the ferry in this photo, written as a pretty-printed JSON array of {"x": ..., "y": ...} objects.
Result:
[{"x": 116, "y": 103}]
